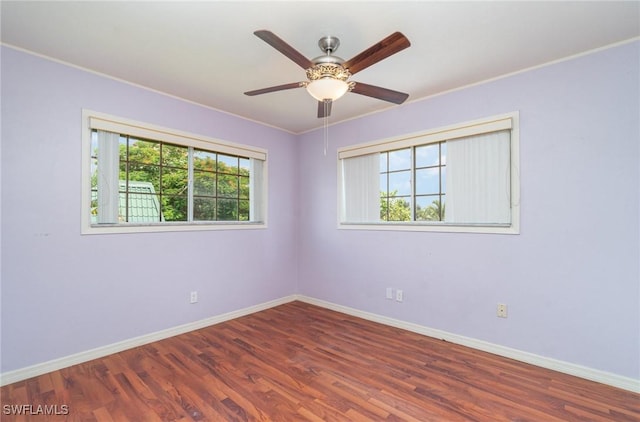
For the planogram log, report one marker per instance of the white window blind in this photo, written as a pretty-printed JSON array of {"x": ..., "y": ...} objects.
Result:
[
  {"x": 478, "y": 179},
  {"x": 361, "y": 189},
  {"x": 108, "y": 181},
  {"x": 256, "y": 190}
]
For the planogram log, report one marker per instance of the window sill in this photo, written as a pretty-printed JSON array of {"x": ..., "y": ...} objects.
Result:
[
  {"x": 171, "y": 227},
  {"x": 433, "y": 227}
]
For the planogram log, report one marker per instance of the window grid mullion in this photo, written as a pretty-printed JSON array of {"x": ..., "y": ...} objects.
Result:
[
  {"x": 126, "y": 182},
  {"x": 217, "y": 198},
  {"x": 440, "y": 216},
  {"x": 413, "y": 183},
  {"x": 161, "y": 170},
  {"x": 388, "y": 184},
  {"x": 190, "y": 184}
]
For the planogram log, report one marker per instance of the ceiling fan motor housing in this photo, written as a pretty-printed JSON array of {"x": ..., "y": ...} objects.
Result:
[
  {"x": 329, "y": 44},
  {"x": 329, "y": 66}
]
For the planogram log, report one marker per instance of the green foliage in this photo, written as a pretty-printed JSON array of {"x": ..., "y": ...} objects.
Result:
[
  {"x": 434, "y": 212},
  {"x": 394, "y": 209},
  {"x": 221, "y": 191}
]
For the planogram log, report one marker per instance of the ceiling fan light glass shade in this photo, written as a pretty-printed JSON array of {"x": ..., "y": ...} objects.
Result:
[{"x": 327, "y": 89}]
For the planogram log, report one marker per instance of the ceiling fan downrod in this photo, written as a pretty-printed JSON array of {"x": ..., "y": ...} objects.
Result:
[{"x": 329, "y": 44}]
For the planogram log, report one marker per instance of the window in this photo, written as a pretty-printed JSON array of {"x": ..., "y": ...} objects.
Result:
[
  {"x": 459, "y": 178},
  {"x": 138, "y": 177}
]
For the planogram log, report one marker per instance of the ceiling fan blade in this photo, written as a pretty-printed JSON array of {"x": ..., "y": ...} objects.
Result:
[
  {"x": 274, "y": 88},
  {"x": 380, "y": 93},
  {"x": 324, "y": 108},
  {"x": 385, "y": 48},
  {"x": 274, "y": 41}
]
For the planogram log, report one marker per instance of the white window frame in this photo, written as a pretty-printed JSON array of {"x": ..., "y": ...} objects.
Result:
[
  {"x": 95, "y": 120},
  {"x": 486, "y": 125}
]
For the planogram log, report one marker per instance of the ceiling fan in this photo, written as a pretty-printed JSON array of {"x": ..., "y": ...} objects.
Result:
[{"x": 328, "y": 75}]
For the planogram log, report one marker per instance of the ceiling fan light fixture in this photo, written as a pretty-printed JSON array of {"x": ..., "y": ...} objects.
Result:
[
  {"x": 327, "y": 89},
  {"x": 328, "y": 81}
]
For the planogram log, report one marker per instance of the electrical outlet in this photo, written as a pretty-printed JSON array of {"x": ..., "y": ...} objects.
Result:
[
  {"x": 399, "y": 295},
  {"x": 389, "y": 293},
  {"x": 194, "y": 297},
  {"x": 502, "y": 310}
]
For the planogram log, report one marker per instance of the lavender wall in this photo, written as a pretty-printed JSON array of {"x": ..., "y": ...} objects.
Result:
[
  {"x": 63, "y": 293},
  {"x": 570, "y": 279}
]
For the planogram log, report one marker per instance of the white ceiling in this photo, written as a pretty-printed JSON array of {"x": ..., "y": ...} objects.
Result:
[{"x": 205, "y": 51}]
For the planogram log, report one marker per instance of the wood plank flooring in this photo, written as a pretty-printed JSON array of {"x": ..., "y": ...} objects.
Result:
[{"x": 298, "y": 362}]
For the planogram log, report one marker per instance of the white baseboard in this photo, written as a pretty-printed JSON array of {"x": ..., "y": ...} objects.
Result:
[
  {"x": 64, "y": 362},
  {"x": 544, "y": 362},
  {"x": 541, "y": 361}
]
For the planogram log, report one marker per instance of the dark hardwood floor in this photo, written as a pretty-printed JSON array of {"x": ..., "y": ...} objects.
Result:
[{"x": 300, "y": 362}]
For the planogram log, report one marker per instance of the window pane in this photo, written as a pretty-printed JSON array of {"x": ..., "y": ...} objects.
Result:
[
  {"x": 244, "y": 211},
  {"x": 244, "y": 187},
  {"x": 140, "y": 205},
  {"x": 383, "y": 162},
  {"x": 398, "y": 209},
  {"x": 227, "y": 185},
  {"x": 144, "y": 151},
  {"x": 204, "y": 183},
  {"x": 383, "y": 184},
  {"x": 428, "y": 155},
  {"x": 123, "y": 148},
  {"x": 174, "y": 207},
  {"x": 143, "y": 173},
  {"x": 227, "y": 209},
  {"x": 204, "y": 160},
  {"x": 175, "y": 156},
  {"x": 94, "y": 143},
  {"x": 443, "y": 153},
  {"x": 245, "y": 166},
  {"x": 204, "y": 209},
  {"x": 427, "y": 181},
  {"x": 174, "y": 181},
  {"x": 400, "y": 159},
  {"x": 227, "y": 164},
  {"x": 123, "y": 172},
  {"x": 400, "y": 183},
  {"x": 428, "y": 208}
]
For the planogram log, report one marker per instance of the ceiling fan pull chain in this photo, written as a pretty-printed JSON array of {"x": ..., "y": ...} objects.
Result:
[{"x": 326, "y": 125}]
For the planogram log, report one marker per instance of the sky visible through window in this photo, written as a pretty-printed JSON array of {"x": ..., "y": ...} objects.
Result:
[
  {"x": 400, "y": 161},
  {"x": 413, "y": 183}
]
